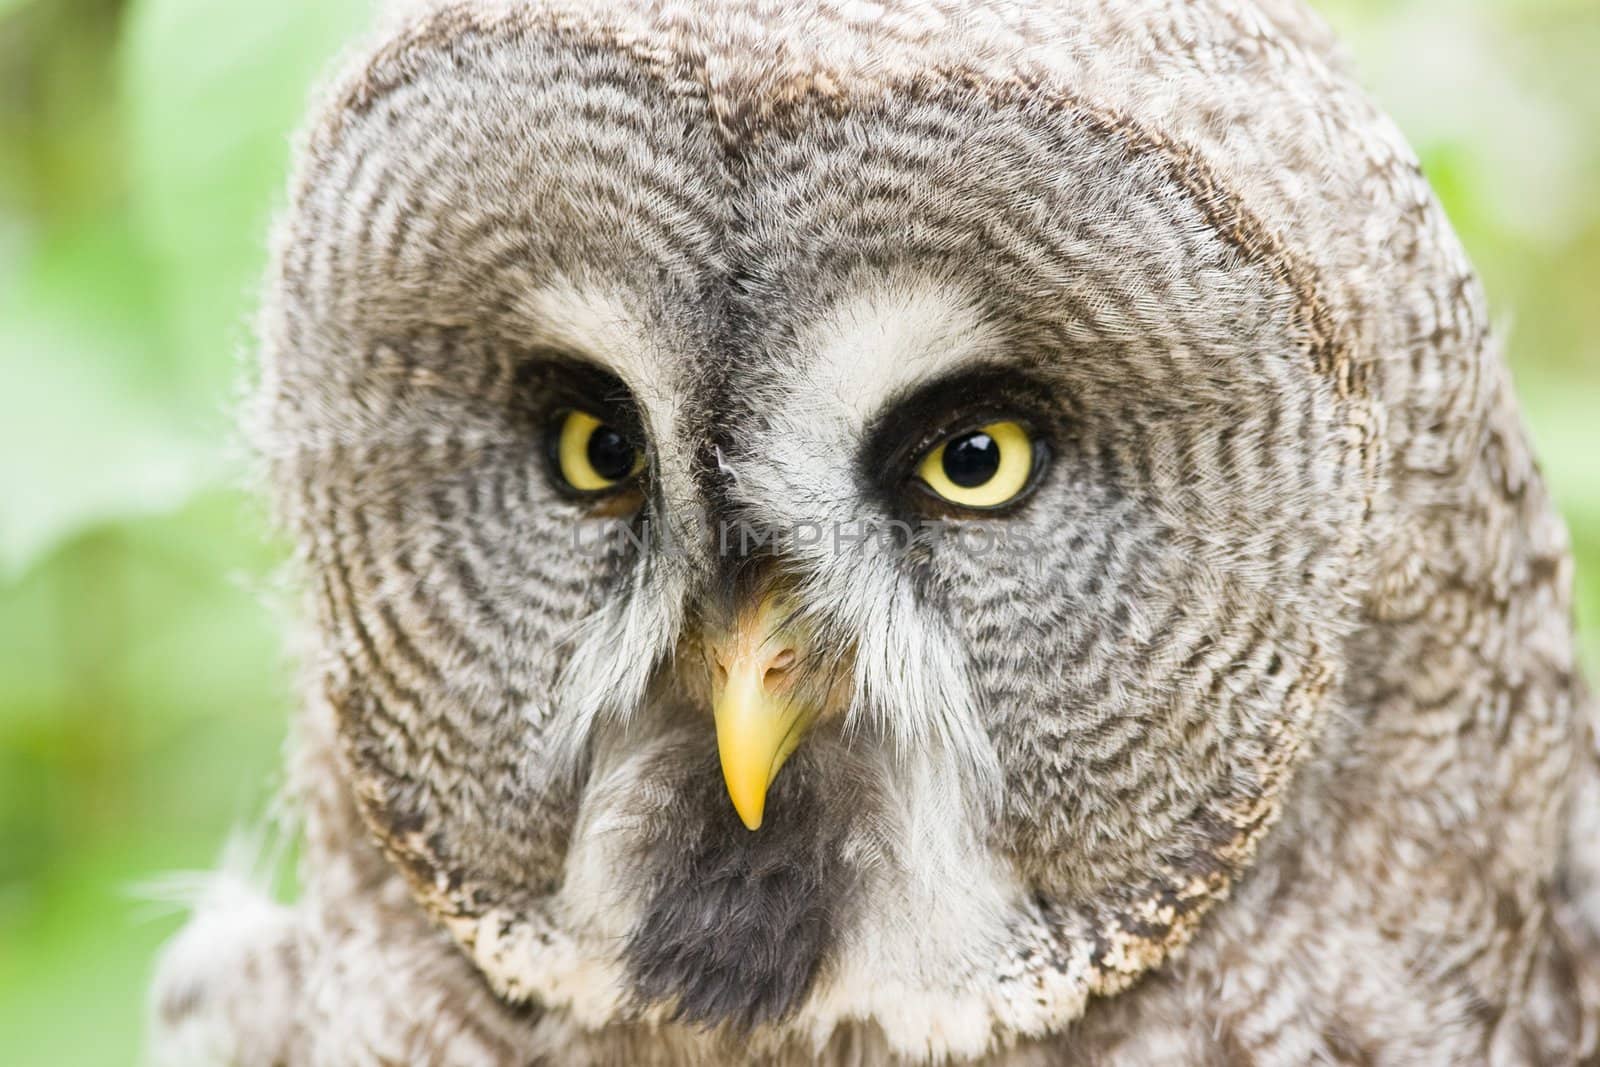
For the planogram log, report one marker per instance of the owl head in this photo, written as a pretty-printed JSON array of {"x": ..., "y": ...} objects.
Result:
[{"x": 850, "y": 515}]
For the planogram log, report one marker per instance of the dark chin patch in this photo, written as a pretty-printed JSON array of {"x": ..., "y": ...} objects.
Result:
[{"x": 738, "y": 924}]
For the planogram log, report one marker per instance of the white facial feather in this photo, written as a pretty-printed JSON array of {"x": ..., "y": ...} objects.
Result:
[{"x": 880, "y": 343}]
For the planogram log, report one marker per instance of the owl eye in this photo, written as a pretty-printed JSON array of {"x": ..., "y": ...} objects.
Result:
[
  {"x": 592, "y": 456},
  {"x": 983, "y": 468}
]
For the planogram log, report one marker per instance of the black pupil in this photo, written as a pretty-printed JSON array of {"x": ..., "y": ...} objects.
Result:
[
  {"x": 610, "y": 454},
  {"x": 972, "y": 460}
]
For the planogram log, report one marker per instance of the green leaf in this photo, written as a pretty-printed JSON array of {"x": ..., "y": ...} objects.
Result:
[
  {"x": 88, "y": 428},
  {"x": 213, "y": 92}
]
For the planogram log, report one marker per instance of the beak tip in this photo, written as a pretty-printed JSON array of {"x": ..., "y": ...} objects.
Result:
[{"x": 751, "y": 811}]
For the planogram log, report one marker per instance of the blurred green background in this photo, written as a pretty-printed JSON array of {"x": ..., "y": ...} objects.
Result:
[{"x": 143, "y": 674}]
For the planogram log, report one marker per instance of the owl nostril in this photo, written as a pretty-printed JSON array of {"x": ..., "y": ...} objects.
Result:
[{"x": 778, "y": 669}]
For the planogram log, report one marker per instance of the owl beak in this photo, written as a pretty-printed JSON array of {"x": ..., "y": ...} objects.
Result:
[{"x": 760, "y": 717}]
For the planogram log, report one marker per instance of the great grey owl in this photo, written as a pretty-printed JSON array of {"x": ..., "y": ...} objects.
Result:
[{"x": 870, "y": 531}]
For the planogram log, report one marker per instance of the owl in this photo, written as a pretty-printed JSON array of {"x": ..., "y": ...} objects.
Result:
[{"x": 863, "y": 532}]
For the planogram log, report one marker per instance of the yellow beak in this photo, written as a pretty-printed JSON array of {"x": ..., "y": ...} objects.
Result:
[{"x": 753, "y": 698}]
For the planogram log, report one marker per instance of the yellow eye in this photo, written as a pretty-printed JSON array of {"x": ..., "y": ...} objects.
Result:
[
  {"x": 592, "y": 455},
  {"x": 982, "y": 468}
]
